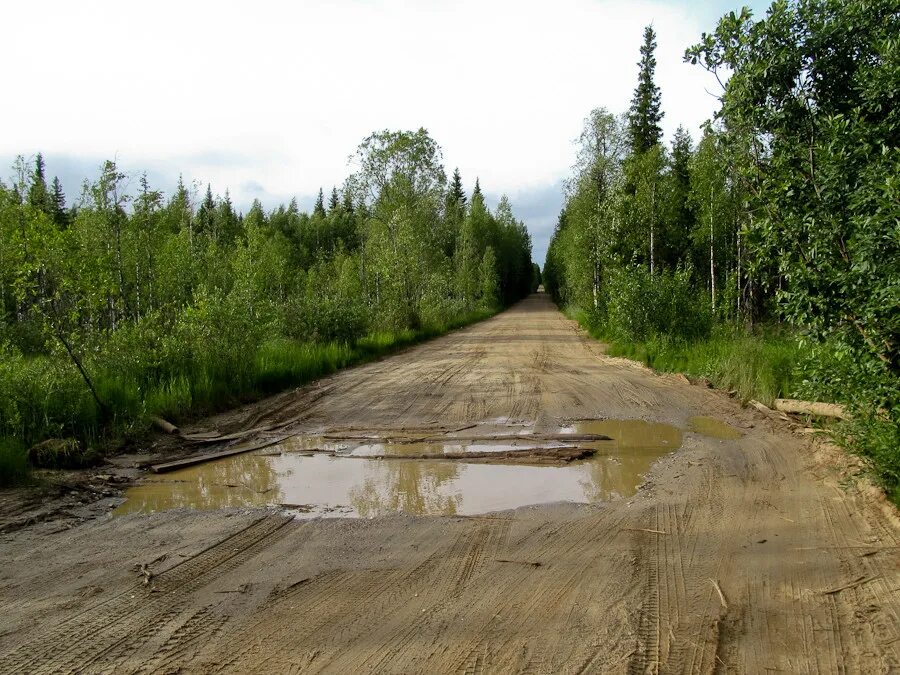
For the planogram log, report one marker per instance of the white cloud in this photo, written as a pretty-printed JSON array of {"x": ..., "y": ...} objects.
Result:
[{"x": 278, "y": 94}]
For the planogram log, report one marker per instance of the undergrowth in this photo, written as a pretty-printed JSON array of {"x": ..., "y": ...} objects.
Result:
[
  {"x": 13, "y": 462},
  {"x": 766, "y": 363},
  {"x": 44, "y": 397},
  {"x": 758, "y": 364}
]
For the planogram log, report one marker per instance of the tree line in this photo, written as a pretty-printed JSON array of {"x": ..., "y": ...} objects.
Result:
[
  {"x": 783, "y": 218},
  {"x": 131, "y": 303}
]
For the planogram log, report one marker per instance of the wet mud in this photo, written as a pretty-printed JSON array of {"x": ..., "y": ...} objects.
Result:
[{"x": 327, "y": 475}]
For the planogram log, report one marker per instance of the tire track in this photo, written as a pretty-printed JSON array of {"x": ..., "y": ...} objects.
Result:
[{"x": 121, "y": 623}]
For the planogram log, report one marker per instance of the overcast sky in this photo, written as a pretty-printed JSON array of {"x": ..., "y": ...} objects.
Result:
[{"x": 268, "y": 99}]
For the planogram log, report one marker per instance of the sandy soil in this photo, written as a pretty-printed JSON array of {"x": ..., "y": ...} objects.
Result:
[{"x": 761, "y": 554}]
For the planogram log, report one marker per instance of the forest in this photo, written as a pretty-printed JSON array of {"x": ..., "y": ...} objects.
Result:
[
  {"x": 131, "y": 304},
  {"x": 764, "y": 255}
]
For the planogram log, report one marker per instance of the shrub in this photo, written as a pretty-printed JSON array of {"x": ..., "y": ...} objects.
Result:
[
  {"x": 13, "y": 462},
  {"x": 639, "y": 306},
  {"x": 59, "y": 453}
]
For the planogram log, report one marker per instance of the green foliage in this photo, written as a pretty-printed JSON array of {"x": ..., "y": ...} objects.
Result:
[
  {"x": 13, "y": 462},
  {"x": 642, "y": 306},
  {"x": 132, "y": 305},
  {"x": 284, "y": 363},
  {"x": 536, "y": 279},
  {"x": 788, "y": 210},
  {"x": 813, "y": 98},
  {"x": 760, "y": 365},
  {"x": 646, "y": 112},
  {"x": 490, "y": 282},
  {"x": 58, "y": 453}
]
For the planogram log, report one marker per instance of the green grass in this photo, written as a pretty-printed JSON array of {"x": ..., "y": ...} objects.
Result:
[
  {"x": 14, "y": 467},
  {"x": 43, "y": 397},
  {"x": 758, "y": 364},
  {"x": 768, "y": 363}
]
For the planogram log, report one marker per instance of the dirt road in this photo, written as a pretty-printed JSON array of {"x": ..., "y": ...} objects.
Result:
[{"x": 751, "y": 555}]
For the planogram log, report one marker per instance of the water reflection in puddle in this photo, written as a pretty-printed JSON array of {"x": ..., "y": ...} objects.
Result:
[
  {"x": 630, "y": 435},
  {"x": 329, "y": 485},
  {"x": 710, "y": 426}
]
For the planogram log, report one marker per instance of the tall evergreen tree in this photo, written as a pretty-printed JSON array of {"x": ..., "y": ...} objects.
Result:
[
  {"x": 38, "y": 196},
  {"x": 334, "y": 201},
  {"x": 645, "y": 114},
  {"x": 226, "y": 220},
  {"x": 680, "y": 220},
  {"x": 319, "y": 208},
  {"x": 206, "y": 214},
  {"x": 456, "y": 194},
  {"x": 58, "y": 204},
  {"x": 347, "y": 199}
]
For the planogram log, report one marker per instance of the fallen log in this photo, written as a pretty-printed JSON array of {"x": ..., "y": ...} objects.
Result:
[
  {"x": 163, "y": 425},
  {"x": 199, "y": 459},
  {"x": 540, "y": 456},
  {"x": 791, "y": 405},
  {"x": 766, "y": 410}
]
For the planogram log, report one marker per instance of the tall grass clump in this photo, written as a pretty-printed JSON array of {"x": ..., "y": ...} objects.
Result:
[
  {"x": 211, "y": 358},
  {"x": 13, "y": 462},
  {"x": 284, "y": 363},
  {"x": 663, "y": 322},
  {"x": 758, "y": 364}
]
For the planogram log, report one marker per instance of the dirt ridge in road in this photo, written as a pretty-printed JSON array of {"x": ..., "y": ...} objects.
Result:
[{"x": 750, "y": 555}]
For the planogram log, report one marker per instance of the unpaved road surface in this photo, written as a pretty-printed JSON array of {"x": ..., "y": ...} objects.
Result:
[{"x": 752, "y": 555}]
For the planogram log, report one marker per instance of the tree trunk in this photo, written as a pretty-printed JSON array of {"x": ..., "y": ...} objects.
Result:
[
  {"x": 652, "y": 226},
  {"x": 57, "y": 330},
  {"x": 712, "y": 263},
  {"x": 739, "y": 286}
]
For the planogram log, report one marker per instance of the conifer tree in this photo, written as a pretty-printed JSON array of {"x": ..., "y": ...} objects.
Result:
[
  {"x": 645, "y": 114},
  {"x": 680, "y": 220},
  {"x": 319, "y": 208},
  {"x": 206, "y": 214},
  {"x": 226, "y": 220},
  {"x": 334, "y": 201},
  {"x": 58, "y": 205},
  {"x": 38, "y": 197},
  {"x": 347, "y": 200},
  {"x": 456, "y": 194}
]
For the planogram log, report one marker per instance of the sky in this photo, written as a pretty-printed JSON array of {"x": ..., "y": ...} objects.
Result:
[{"x": 269, "y": 99}]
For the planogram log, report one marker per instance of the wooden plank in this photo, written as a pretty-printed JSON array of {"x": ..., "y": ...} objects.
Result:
[{"x": 209, "y": 457}]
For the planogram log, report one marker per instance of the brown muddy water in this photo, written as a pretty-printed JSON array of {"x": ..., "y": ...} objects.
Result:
[
  {"x": 314, "y": 476},
  {"x": 710, "y": 426}
]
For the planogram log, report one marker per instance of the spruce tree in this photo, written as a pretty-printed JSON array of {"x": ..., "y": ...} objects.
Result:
[
  {"x": 347, "y": 200},
  {"x": 456, "y": 194},
  {"x": 38, "y": 197},
  {"x": 319, "y": 208},
  {"x": 58, "y": 205},
  {"x": 645, "y": 114},
  {"x": 227, "y": 220},
  {"x": 333, "y": 202},
  {"x": 206, "y": 214},
  {"x": 680, "y": 221}
]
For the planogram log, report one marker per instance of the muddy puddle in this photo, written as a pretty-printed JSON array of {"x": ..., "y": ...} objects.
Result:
[
  {"x": 368, "y": 476},
  {"x": 710, "y": 426}
]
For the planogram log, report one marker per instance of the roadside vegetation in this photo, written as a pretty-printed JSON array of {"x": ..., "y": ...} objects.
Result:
[
  {"x": 130, "y": 304},
  {"x": 765, "y": 256}
]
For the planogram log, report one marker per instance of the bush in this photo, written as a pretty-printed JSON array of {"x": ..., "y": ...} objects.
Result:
[
  {"x": 833, "y": 372},
  {"x": 13, "y": 462},
  {"x": 639, "y": 306},
  {"x": 59, "y": 453},
  {"x": 41, "y": 396}
]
